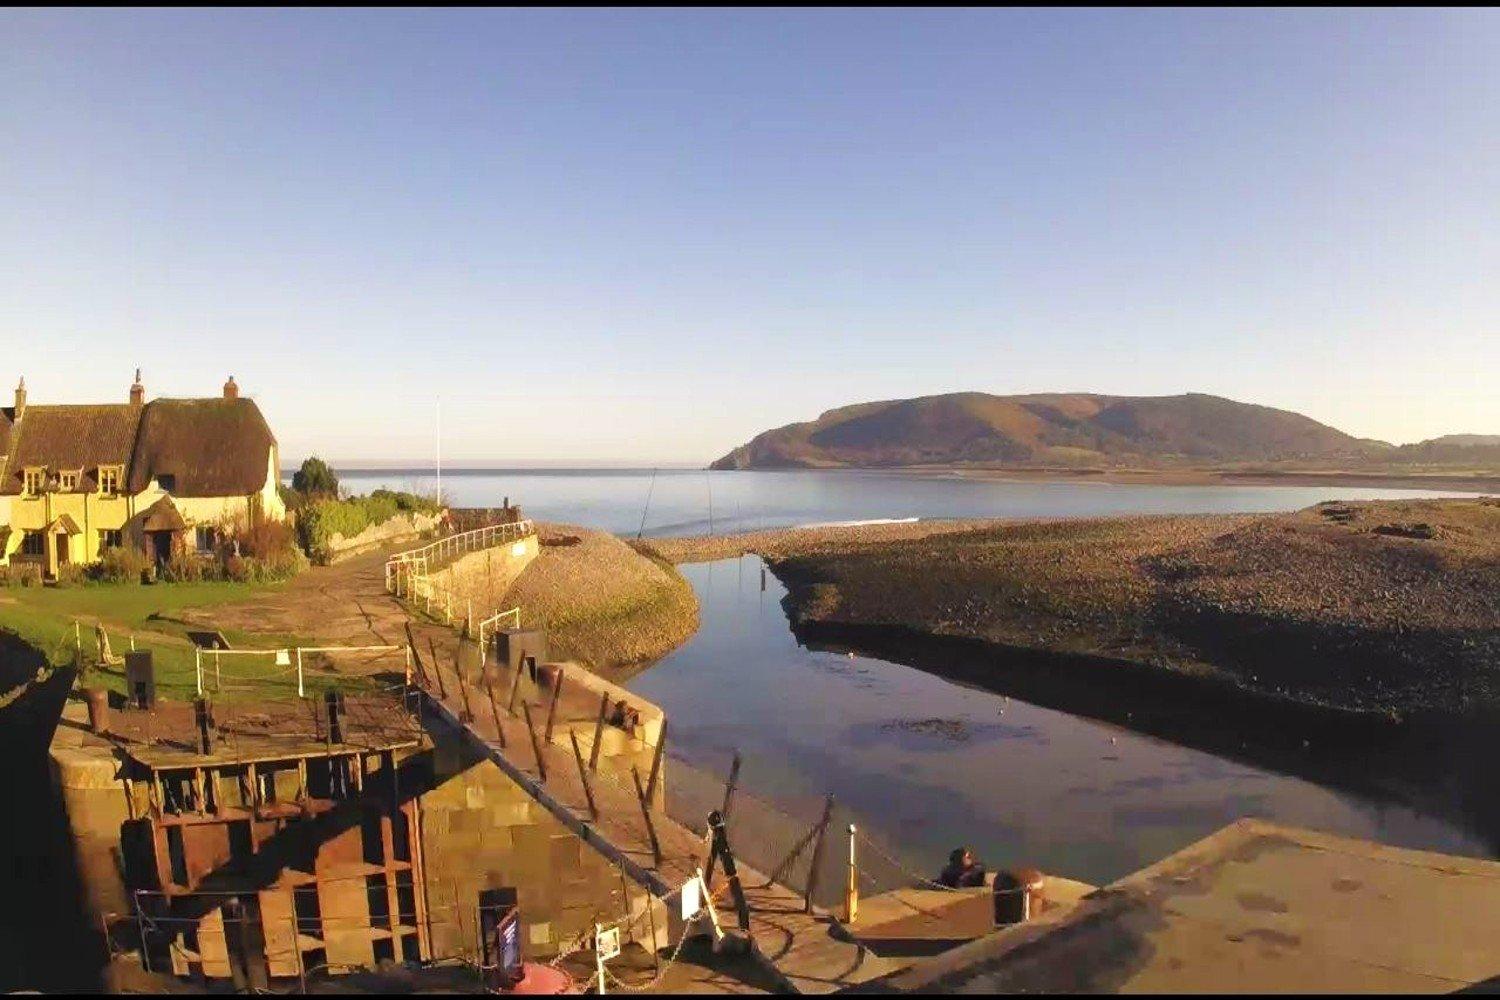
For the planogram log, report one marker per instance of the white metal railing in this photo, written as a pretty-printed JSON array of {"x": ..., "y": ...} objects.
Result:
[
  {"x": 288, "y": 659},
  {"x": 403, "y": 568},
  {"x": 492, "y": 623}
]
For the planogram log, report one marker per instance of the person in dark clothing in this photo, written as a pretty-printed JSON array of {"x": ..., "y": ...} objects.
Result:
[{"x": 962, "y": 871}]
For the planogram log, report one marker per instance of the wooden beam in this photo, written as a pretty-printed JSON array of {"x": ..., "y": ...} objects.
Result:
[
  {"x": 598, "y": 731},
  {"x": 661, "y": 744},
  {"x": 640, "y": 794},
  {"x": 489, "y": 688},
  {"x": 536, "y": 747},
  {"x": 557, "y": 685},
  {"x": 583, "y": 775},
  {"x": 730, "y": 786}
]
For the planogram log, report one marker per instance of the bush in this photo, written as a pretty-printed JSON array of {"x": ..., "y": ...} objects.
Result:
[
  {"x": 71, "y": 575},
  {"x": 315, "y": 479},
  {"x": 121, "y": 565},
  {"x": 185, "y": 567},
  {"x": 317, "y": 523},
  {"x": 21, "y": 574}
]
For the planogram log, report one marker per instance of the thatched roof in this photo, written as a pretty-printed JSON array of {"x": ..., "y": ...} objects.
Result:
[
  {"x": 212, "y": 447},
  {"x": 163, "y": 516},
  {"x": 70, "y": 437}
]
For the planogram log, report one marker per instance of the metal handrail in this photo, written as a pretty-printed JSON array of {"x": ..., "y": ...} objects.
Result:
[{"x": 417, "y": 562}]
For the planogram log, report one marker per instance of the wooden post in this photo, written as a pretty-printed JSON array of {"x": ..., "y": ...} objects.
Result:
[
  {"x": 536, "y": 748},
  {"x": 731, "y": 785},
  {"x": 583, "y": 775},
  {"x": 515, "y": 685},
  {"x": 661, "y": 743},
  {"x": 463, "y": 685},
  {"x": 722, "y": 852},
  {"x": 413, "y": 656},
  {"x": 817, "y": 855},
  {"x": 640, "y": 793},
  {"x": 495, "y": 712},
  {"x": 557, "y": 685},
  {"x": 436, "y": 669},
  {"x": 598, "y": 732},
  {"x": 851, "y": 890}
]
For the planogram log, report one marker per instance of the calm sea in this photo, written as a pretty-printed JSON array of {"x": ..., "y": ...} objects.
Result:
[{"x": 690, "y": 502}]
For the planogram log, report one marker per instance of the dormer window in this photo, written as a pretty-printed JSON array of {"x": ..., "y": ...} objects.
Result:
[
  {"x": 166, "y": 482},
  {"x": 109, "y": 480},
  {"x": 67, "y": 482},
  {"x": 34, "y": 481}
]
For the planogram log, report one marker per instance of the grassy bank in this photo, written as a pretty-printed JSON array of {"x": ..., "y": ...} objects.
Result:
[
  {"x": 603, "y": 603},
  {"x": 154, "y": 616}
]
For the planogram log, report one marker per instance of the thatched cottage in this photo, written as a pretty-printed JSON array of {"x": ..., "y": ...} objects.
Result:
[{"x": 167, "y": 476}]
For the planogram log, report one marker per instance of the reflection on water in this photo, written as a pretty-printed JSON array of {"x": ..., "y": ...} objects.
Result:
[
  {"x": 930, "y": 764},
  {"x": 692, "y": 502}
]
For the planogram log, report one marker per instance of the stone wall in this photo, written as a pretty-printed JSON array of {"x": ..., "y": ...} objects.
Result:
[
  {"x": 482, "y": 830},
  {"x": 484, "y": 576},
  {"x": 405, "y": 527}
]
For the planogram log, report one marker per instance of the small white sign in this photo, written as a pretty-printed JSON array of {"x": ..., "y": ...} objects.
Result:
[
  {"x": 692, "y": 900},
  {"x": 607, "y": 943}
]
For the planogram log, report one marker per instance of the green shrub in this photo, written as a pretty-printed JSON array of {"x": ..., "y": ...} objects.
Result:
[
  {"x": 121, "y": 565},
  {"x": 315, "y": 479},
  {"x": 318, "y": 522}
]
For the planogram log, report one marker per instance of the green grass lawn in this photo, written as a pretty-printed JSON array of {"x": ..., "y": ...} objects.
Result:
[{"x": 45, "y": 618}]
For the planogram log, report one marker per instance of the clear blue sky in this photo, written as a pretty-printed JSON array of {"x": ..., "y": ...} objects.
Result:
[{"x": 643, "y": 237}]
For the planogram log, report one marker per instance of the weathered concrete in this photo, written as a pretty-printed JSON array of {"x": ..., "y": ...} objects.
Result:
[
  {"x": 403, "y": 528},
  {"x": 480, "y": 829},
  {"x": 1256, "y": 907}
]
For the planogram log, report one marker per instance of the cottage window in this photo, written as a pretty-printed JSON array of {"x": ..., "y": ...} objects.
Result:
[
  {"x": 166, "y": 482},
  {"x": 67, "y": 481},
  {"x": 110, "y": 538},
  {"x": 35, "y": 481},
  {"x": 109, "y": 480},
  {"x": 33, "y": 544},
  {"x": 207, "y": 536}
]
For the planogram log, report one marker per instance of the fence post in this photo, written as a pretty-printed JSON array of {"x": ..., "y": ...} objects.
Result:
[
  {"x": 583, "y": 775},
  {"x": 557, "y": 683},
  {"x": 640, "y": 793},
  {"x": 536, "y": 748},
  {"x": 731, "y": 785},
  {"x": 661, "y": 743},
  {"x": 495, "y": 711},
  {"x": 817, "y": 855},
  {"x": 301, "y": 692},
  {"x": 598, "y": 731},
  {"x": 198, "y": 669},
  {"x": 851, "y": 891}
]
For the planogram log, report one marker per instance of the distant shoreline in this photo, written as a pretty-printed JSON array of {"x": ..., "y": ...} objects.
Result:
[{"x": 1468, "y": 482}]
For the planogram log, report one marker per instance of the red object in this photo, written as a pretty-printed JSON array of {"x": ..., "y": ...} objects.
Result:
[{"x": 543, "y": 979}]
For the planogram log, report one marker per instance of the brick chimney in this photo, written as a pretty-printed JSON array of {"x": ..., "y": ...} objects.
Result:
[
  {"x": 231, "y": 391},
  {"x": 21, "y": 398},
  {"x": 137, "y": 391}
]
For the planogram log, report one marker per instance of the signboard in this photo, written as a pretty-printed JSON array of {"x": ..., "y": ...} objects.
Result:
[
  {"x": 607, "y": 942},
  {"x": 692, "y": 899}
]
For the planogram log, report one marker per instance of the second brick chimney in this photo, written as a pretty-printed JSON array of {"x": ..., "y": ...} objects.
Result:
[
  {"x": 137, "y": 391},
  {"x": 231, "y": 391}
]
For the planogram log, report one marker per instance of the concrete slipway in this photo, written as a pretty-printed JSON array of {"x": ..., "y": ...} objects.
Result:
[{"x": 1256, "y": 907}]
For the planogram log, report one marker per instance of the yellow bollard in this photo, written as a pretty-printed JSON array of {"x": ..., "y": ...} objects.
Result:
[{"x": 851, "y": 890}]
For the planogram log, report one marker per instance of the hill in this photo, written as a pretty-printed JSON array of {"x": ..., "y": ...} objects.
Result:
[{"x": 1053, "y": 429}]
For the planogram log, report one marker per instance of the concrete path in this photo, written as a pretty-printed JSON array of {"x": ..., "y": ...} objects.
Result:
[{"x": 1258, "y": 908}]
